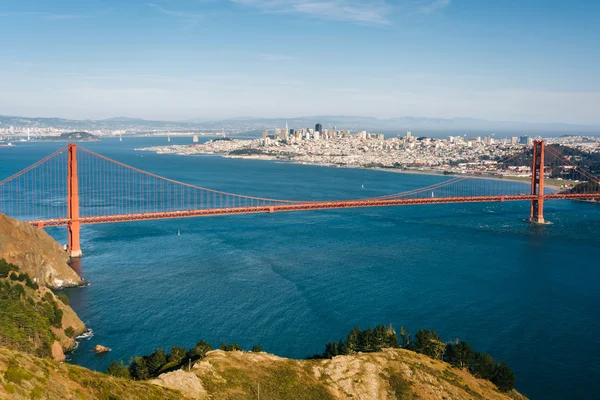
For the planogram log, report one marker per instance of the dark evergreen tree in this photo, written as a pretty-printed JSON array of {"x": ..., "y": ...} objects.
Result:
[
  {"x": 482, "y": 366},
  {"x": 367, "y": 340},
  {"x": 463, "y": 354},
  {"x": 200, "y": 349},
  {"x": 138, "y": 368},
  {"x": 429, "y": 343},
  {"x": 118, "y": 369},
  {"x": 156, "y": 360},
  {"x": 230, "y": 347},
  {"x": 177, "y": 354},
  {"x": 256, "y": 349},
  {"x": 379, "y": 337},
  {"x": 353, "y": 341},
  {"x": 392, "y": 338},
  {"x": 331, "y": 350},
  {"x": 503, "y": 377}
]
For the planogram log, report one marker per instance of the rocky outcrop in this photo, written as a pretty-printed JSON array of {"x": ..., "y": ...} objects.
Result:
[
  {"x": 57, "y": 352},
  {"x": 101, "y": 349},
  {"x": 186, "y": 382},
  {"x": 36, "y": 253}
]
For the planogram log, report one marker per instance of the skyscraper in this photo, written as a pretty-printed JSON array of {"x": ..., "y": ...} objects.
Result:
[{"x": 318, "y": 128}]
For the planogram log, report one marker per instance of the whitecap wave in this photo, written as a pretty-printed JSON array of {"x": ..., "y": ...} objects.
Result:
[{"x": 86, "y": 335}]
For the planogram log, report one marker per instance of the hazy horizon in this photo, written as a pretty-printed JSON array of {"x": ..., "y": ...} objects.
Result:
[{"x": 296, "y": 117}]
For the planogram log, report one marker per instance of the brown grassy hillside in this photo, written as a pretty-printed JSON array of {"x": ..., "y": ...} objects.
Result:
[
  {"x": 389, "y": 374},
  {"x": 23, "y": 376}
]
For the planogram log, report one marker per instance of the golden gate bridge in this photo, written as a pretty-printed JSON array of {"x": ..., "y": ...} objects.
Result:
[{"x": 75, "y": 186}]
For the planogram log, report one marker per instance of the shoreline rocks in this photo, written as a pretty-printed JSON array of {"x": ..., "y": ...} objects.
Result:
[{"x": 101, "y": 349}]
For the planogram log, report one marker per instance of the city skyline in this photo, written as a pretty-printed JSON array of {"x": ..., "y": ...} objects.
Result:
[{"x": 528, "y": 61}]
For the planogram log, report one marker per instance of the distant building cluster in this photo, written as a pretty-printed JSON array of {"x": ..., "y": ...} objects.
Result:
[
  {"x": 317, "y": 133},
  {"x": 319, "y": 145}
]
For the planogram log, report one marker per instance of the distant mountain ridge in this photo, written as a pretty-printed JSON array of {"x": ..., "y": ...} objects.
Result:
[{"x": 399, "y": 124}]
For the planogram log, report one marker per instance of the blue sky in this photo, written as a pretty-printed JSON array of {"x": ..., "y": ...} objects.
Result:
[{"x": 523, "y": 60}]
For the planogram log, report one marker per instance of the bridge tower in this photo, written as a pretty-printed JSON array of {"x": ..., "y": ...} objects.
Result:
[
  {"x": 537, "y": 183},
  {"x": 73, "y": 247}
]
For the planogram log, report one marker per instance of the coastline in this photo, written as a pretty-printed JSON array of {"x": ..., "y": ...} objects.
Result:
[{"x": 381, "y": 169}]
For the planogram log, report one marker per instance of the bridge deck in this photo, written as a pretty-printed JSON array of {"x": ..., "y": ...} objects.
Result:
[{"x": 324, "y": 205}]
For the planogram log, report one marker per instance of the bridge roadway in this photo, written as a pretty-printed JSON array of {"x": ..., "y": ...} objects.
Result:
[{"x": 306, "y": 206}]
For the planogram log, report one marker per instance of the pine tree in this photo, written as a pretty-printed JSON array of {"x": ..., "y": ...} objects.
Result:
[
  {"x": 200, "y": 349},
  {"x": 429, "y": 343},
  {"x": 331, "y": 350},
  {"x": 366, "y": 340},
  {"x": 118, "y": 369},
  {"x": 353, "y": 341},
  {"x": 503, "y": 377},
  {"x": 482, "y": 366},
  {"x": 463, "y": 353},
  {"x": 156, "y": 360},
  {"x": 177, "y": 354},
  {"x": 379, "y": 337},
  {"x": 138, "y": 368}
]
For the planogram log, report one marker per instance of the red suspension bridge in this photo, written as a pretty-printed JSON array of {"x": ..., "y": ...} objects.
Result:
[{"x": 75, "y": 186}]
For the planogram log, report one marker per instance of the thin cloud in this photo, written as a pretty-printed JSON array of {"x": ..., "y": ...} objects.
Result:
[
  {"x": 184, "y": 15},
  {"x": 434, "y": 6},
  {"x": 274, "y": 57},
  {"x": 43, "y": 15},
  {"x": 373, "y": 12}
]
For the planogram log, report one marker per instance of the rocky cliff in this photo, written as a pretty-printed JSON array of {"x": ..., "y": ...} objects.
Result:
[{"x": 36, "y": 254}]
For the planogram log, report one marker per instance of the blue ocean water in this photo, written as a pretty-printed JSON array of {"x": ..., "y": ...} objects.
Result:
[{"x": 293, "y": 281}]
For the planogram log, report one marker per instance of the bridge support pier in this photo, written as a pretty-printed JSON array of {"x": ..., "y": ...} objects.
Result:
[
  {"x": 537, "y": 183},
  {"x": 73, "y": 246}
]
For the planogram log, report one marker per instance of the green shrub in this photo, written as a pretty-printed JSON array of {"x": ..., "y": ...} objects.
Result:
[
  {"x": 64, "y": 298},
  {"x": 230, "y": 347},
  {"x": 24, "y": 324},
  {"x": 256, "y": 349},
  {"x": 6, "y": 268},
  {"x": 400, "y": 386},
  {"x": 9, "y": 387},
  {"x": 36, "y": 393},
  {"x": 70, "y": 332},
  {"x": 15, "y": 374},
  {"x": 118, "y": 369},
  {"x": 200, "y": 349}
]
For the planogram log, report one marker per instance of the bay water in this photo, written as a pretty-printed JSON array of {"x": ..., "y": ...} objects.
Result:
[{"x": 290, "y": 282}]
